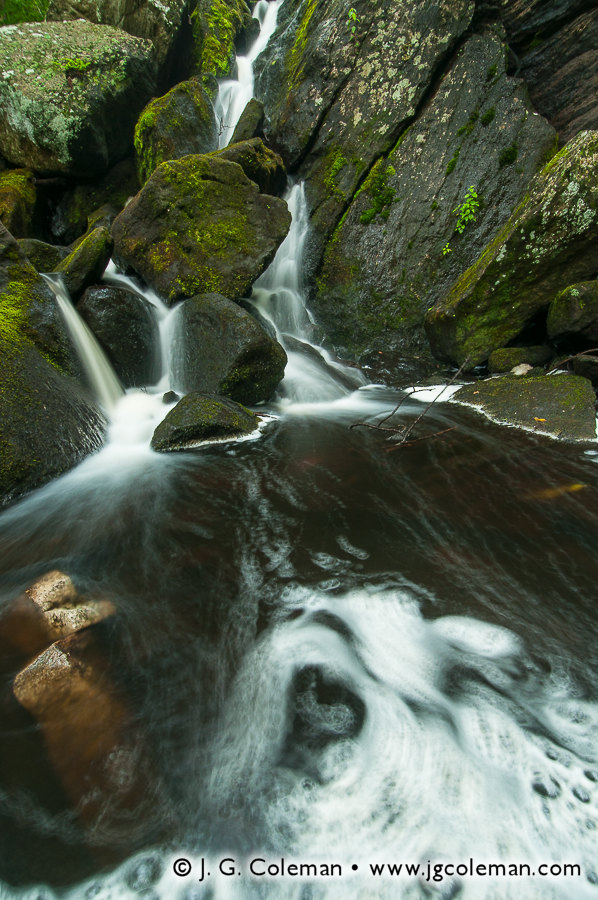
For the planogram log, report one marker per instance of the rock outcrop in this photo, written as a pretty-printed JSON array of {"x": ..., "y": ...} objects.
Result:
[{"x": 198, "y": 418}]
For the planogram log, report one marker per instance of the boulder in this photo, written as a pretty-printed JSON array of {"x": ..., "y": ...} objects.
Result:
[
  {"x": 561, "y": 406},
  {"x": 226, "y": 351},
  {"x": 528, "y": 22},
  {"x": 549, "y": 242},
  {"x": 575, "y": 312},
  {"x": 43, "y": 257},
  {"x": 125, "y": 325},
  {"x": 47, "y": 422},
  {"x": 259, "y": 163},
  {"x": 178, "y": 124},
  {"x": 200, "y": 225},
  {"x": 71, "y": 94},
  {"x": 17, "y": 201},
  {"x": 251, "y": 122},
  {"x": 15, "y": 11},
  {"x": 216, "y": 24},
  {"x": 198, "y": 418},
  {"x": 77, "y": 205},
  {"x": 505, "y": 359},
  {"x": 397, "y": 250},
  {"x": 86, "y": 264}
]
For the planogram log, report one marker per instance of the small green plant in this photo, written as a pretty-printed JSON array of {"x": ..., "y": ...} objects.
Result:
[
  {"x": 72, "y": 66},
  {"x": 446, "y": 250},
  {"x": 352, "y": 21},
  {"x": 466, "y": 212}
]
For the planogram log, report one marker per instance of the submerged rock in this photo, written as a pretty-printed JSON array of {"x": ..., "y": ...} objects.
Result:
[
  {"x": 549, "y": 242},
  {"x": 71, "y": 95},
  {"x": 561, "y": 406},
  {"x": 126, "y": 327},
  {"x": 18, "y": 198},
  {"x": 575, "y": 312},
  {"x": 200, "y": 225},
  {"x": 226, "y": 351},
  {"x": 178, "y": 124},
  {"x": 86, "y": 264},
  {"x": 259, "y": 163},
  {"x": 198, "y": 418}
]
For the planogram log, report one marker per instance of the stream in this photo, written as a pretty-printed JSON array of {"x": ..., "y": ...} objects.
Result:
[{"x": 340, "y": 652}]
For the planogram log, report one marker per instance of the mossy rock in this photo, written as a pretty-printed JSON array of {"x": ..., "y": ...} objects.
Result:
[
  {"x": 216, "y": 25},
  {"x": 87, "y": 262},
  {"x": 549, "y": 242},
  {"x": 71, "y": 94},
  {"x": 262, "y": 165},
  {"x": 251, "y": 122},
  {"x": 575, "y": 312},
  {"x": 562, "y": 406},
  {"x": 199, "y": 225},
  {"x": 43, "y": 257},
  {"x": 17, "y": 201},
  {"x": 198, "y": 418},
  {"x": 178, "y": 124},
  {"x": 505, "y": 359},
  {"x": 226, "y": 351},
  {"x": 13, "y": 12}
]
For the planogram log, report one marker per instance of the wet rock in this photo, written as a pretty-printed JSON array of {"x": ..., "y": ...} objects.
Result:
[
  {"x": 17, "y": 201},
  {"x": 90, "y": 738},
  {"x": 586, "y": 367},
  {"x": 143, "y": 873},
  {"x": 216, "y": 25},
  {"x": 43, "y": 257},
  {"x": 198, "y": 225},
  {"x": 251, "y": 122},
  {"x": 226, "y": 351},
  {"x": 260, "y": 164},
  {"x": 170, "y": 397},
  {"x": 47, "y": 422},
  {"x": 505, "y": 359},
  {"x": 73, "y": 95},
  {"x": 397, "y": 250},
  {"x": 549, "y": 242},
  {"x": 126, "y": 327},
  {"x": 546, "y": 787},
  {"x": 178, "y": 124},
  {"x": 581, "y": 794},
  {"x": 561, "y": 406},
  {"x": 529, "y": 21},
  {"x": 575, "y": 312},
  {"x": 86, "y": 264},
  {"x": 198, "y": 418}
]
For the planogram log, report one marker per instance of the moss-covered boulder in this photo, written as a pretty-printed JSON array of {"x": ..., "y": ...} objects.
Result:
[
  {"x": 178, "y": 124},
  {"x": 561, "y": 406},
  {"x": 43, "y": 257},
  {"x": 216, "y": 25},
  {"x": 200, "y": 225},
  {"x": 198, "y": 418},
  {"x": 226, "y": 351},
  {"x": 575, "y": 312},
  {"x": 12, "y": 12},
  {"x": 259, "y": 163},
  {"x": 86, "y": 264},
  {"x": 17, "y": 201},
  {"x": 126, "y": 327},
  {"x": 398, "y": 250},
  {"x": 71, "y": 94},
  {"x": 549, "y": 242},
  {"x": 251, "y": 122},
  {"x": 505, "y": 359}
]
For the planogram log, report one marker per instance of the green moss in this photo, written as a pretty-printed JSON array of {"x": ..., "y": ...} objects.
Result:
[
  {"x": 215, "y": 24},
  {"x": 453, "y": 161},
  {"x": 488, "y": 117},
  {"x": 300, "y": 43},
  {"x": 380, "y": 193},
  {"x": 491, "y": 73},
  {"x": 15, "y": 11},
  {"x": 466, "y": 130},
  {"x": 335, "y": 162},
  {"x": 508, "y": 156}
]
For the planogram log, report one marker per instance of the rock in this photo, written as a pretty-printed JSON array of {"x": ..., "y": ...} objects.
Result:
[
  {"x": 396, "y": 251},
  {"x": 78, "y": 206},
  {"x": 86, "y": 264},
  {"x": 562, "y": 76},
  {"x": 505, "y": 359},
  {"x": 72, "y": 96},
  {"x": 43, "y": 257},
  {"x": 587, "y": 367},
  {"x": 259, "y": 163},
  {"x": 90, "y": 737},
  {"x": 561, "y": 406},
  {"x": 170, "y": 397},
  {"x": 47, "y": 422},
  {"x": 15, "y": 11},
  {"x": 575, "y": 312},
  {"x": 126, "y": 327},
  {"x": 251, "y": 122},
  {"x": 529, "y": 21},
  {"x": 200, "y": 225},
  {"x": 17, "y": 201},
  {"x": 216, "y": 24},
  {"x": 549, "y": 242},
  {"x": 226, "y": 351},
  {"x": 161, "y": 23},
  {"x": 202, "y": 417},
  {"x": 178, "y": 124}
]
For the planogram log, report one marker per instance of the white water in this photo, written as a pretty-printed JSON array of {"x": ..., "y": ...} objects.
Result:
[{"x": 235, "y": 93}]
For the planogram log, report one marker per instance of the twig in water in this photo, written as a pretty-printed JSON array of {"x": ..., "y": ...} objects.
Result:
[{"x": 569, "y": 358}]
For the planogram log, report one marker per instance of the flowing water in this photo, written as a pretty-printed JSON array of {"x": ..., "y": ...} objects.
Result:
[{"x": 335, "y": 651}]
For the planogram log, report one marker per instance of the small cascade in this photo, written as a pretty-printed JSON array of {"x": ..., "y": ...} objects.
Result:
[
  {"x": 235, "y": 93},
  {"x": 104, "y": 383}
]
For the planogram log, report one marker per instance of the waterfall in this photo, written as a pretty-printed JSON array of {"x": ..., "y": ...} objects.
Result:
[{"x": 235, "y": 93}]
